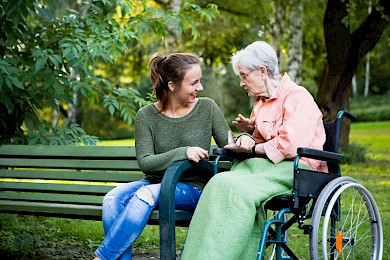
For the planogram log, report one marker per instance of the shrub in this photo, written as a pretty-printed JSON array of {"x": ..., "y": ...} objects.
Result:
[{"x": 354, "y": 153}]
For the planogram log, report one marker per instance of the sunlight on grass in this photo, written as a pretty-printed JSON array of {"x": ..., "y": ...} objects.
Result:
[{"x": 375, "y": 135}]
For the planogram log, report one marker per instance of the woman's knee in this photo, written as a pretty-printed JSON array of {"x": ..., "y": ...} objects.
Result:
[
  {"x": 149, "y": 194},
  {"x": 224, "y": 178},
  {"x": 145, "y": 195}
]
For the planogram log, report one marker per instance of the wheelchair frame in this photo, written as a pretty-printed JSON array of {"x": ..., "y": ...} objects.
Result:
[{"x": 319, "y": 196}]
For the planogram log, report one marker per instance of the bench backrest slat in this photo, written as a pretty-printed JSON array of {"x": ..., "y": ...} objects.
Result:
[
  {"x": 92, "y": 176},
  {"x": 69, "y": 164},
  {"x": 67, "y": 151},
  {"x": 55, "y": 187},
  {"x": 44, "y": 197}
]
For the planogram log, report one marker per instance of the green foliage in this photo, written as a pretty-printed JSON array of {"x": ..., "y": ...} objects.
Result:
[
  {"x": 49, "y": 49},
  {"x": 117, "y": 101},
  {"x": 97, "y": 121},
  {"x": 373, "y": 114},
  {"x": 354, "y": 153},
  {"x": 371, "y": 108},
  {"x": 68, "y": 134}
]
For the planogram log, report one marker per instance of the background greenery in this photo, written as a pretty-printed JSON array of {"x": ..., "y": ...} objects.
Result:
[{"x": 85, "y": 63}]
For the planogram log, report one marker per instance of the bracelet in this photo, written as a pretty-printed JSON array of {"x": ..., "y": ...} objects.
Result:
[{"x": 254, "y": 149}]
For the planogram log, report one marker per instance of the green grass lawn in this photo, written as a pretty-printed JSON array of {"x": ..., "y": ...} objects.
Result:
[{"x": 28, "y": 237}]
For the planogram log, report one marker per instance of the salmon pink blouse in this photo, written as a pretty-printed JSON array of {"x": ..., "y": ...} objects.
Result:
[{"x": 289, "y": 119}]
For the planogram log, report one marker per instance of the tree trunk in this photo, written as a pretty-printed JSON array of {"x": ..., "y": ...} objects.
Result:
[
  {"x": 72, "y": 110},
  {"x": 354, "y": 86},
  {"x": 277, "y": 28},
  {"x": 344, "y": 52},
  {"x": 173, "y": 38},
  {"x": 295, "y": 42},
  {"x": 367, "y": 79}
]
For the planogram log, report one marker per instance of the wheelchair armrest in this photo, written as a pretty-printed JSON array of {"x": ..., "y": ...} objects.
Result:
[{"x": 320, "y": 155}]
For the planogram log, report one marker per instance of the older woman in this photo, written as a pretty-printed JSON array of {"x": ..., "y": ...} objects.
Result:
[{"x": 229, "y": 217}]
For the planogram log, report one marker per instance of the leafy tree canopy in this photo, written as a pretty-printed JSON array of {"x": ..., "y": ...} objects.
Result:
[{"x": 49, "y": 50}]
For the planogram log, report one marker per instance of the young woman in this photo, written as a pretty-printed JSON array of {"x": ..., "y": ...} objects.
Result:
[{"x": 178, "y": 126}]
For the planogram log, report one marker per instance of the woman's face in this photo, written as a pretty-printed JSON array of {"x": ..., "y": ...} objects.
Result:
[
  {"x": 253, "y": 81},
  {"x": 190, "y": 86}
]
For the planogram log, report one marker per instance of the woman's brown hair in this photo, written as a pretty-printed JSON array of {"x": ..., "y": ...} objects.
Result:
[{"x": 164, "y": 69}]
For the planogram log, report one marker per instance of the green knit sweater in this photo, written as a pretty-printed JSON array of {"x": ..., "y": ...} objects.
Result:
[{"x": 162, "y": 140}]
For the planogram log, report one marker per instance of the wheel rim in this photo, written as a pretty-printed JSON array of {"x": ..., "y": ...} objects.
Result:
[{"x": 357, "y": 234}]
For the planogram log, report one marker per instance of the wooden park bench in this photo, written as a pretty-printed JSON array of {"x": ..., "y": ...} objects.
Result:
[{"x": 71, "y": 181}]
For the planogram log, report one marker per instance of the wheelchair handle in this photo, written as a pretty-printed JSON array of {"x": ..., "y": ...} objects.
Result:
[{"x": 347, "y": 114}]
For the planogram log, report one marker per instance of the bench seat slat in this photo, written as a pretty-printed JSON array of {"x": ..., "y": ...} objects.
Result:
[
  {"x": 70, "y": 151},
  {"x": 45, "y": 197},
  {"x": 95, "y": 176},
  {"x": 44, "y": 207},
  {"x": 70, "y": 164},
  {"x": 57, "y": 188},
  {"x": 63, "y": 210},
  {"x": 81, "y": 212}
]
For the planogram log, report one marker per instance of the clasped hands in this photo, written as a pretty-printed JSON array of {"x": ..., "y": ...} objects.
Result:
[{"x": 243, "y": 144}]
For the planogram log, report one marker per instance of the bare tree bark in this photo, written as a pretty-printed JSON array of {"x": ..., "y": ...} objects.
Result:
[
  {"x": 367, "y": 81},
  {"x": 295, "y": 41},
  {"x": 72, "y": 110},
  {"x": 367, "y": 76},
  {"x": 354, "y": 86},
  {"x": 344, "y": 52},
  {"x": 172, "y": 41},
  {"x": 277, "y": 29}
]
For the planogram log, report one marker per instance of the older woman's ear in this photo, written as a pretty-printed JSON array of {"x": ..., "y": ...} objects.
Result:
[{"x": 263, "y": 70}]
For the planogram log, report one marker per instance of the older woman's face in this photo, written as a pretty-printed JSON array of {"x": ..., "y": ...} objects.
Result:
[{"x": 252, "y": 81}]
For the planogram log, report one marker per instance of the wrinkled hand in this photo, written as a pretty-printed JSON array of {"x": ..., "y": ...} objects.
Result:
[
  {"x": 243, "y": 124},
  {"x": 196, "y": 154},
  {"x": 243, "y": 144}
]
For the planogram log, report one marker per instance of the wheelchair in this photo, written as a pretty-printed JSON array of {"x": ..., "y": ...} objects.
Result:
[{"x": 345, "y": 220}]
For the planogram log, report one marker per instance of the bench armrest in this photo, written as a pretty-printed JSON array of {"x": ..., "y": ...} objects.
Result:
[
  {"x": 232, "y": 155},
  {"x": 167, "y": 202},
  {"x": 320, "y": 155}
]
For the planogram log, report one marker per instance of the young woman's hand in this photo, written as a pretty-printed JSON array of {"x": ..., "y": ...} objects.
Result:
[
  {"x": 196, "y": 154},
  {"x": 243, "y": 144}
]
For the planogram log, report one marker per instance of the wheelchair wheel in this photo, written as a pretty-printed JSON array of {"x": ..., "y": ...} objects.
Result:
[{"x": 346, "y": 223}]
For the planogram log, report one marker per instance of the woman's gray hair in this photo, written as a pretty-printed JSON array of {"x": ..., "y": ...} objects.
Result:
[{"x": 255, "y": 55}]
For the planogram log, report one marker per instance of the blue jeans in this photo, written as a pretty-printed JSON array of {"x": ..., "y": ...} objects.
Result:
[{"x": 126, "y": 210}]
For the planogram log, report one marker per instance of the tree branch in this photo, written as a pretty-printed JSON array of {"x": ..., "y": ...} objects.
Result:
[
  {"x": 336, "y": 31},
  {"x": 370, "y": 31}
]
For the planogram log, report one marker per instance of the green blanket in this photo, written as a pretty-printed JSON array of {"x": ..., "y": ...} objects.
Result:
[{"x": 229, "y": 217}]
